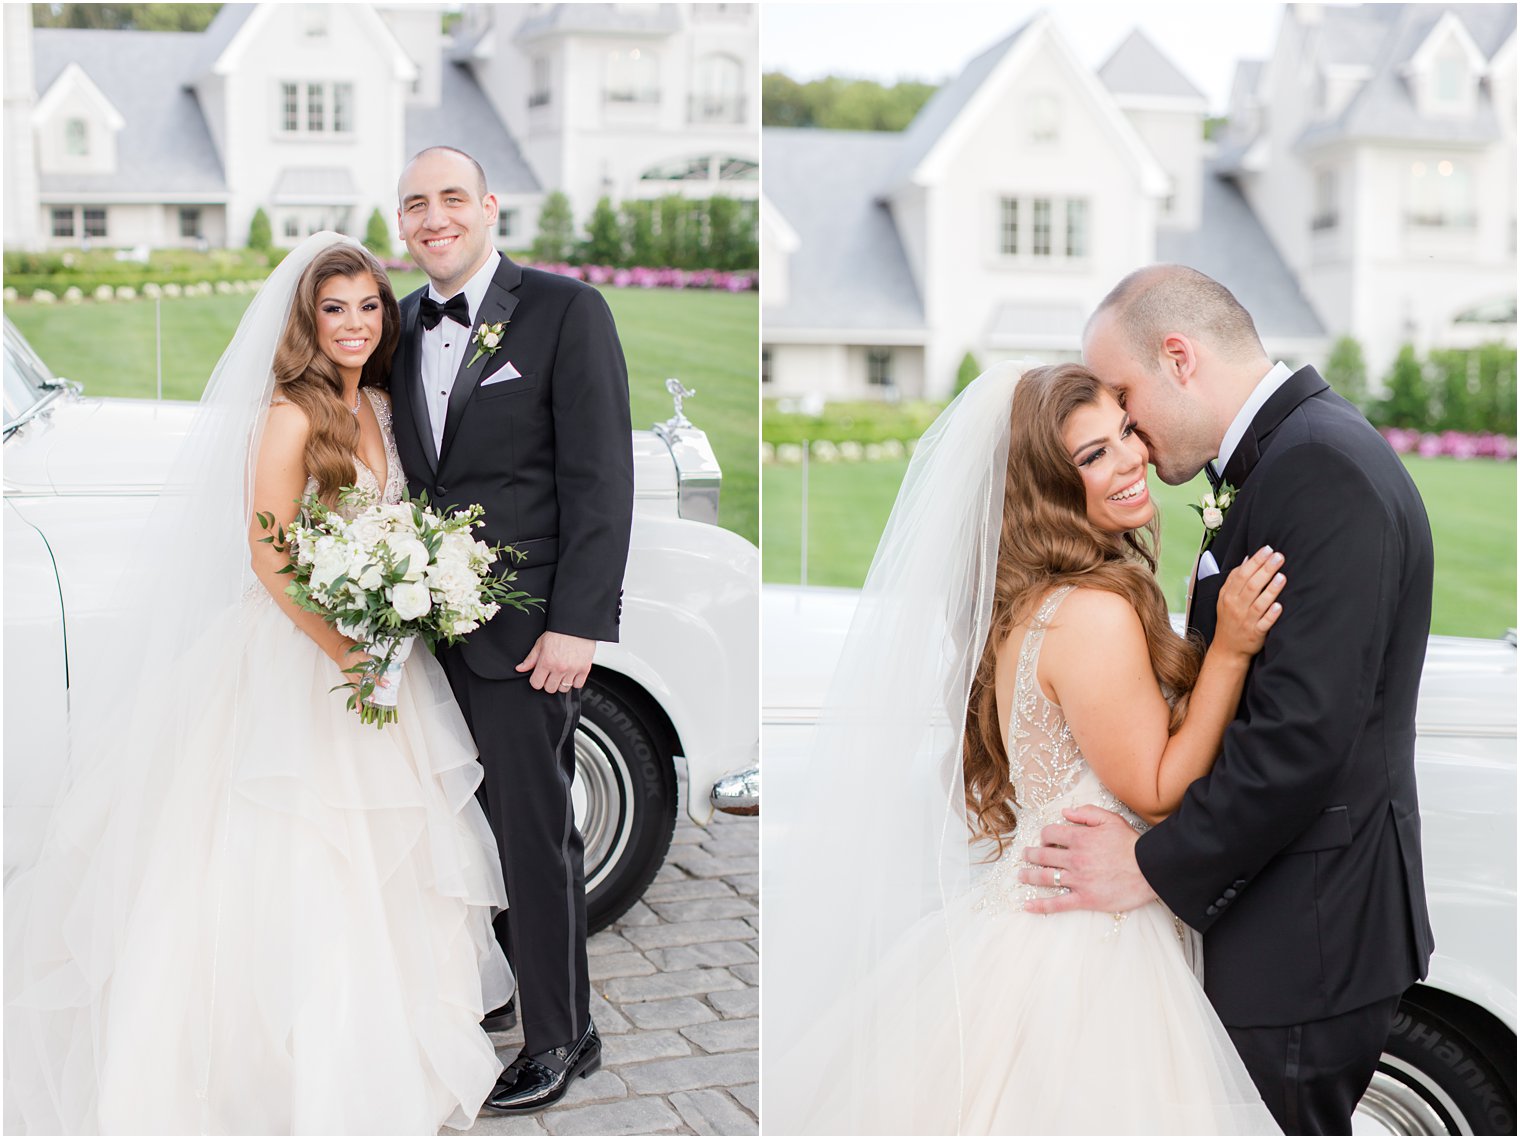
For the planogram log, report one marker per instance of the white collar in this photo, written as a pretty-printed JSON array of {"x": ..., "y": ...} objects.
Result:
[
  {"x": 475, "y": 288},
  {"x": 1254, "y": 402}
]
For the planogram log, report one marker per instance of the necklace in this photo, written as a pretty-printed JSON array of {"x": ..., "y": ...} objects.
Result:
[{"x": 355, "y": 408}]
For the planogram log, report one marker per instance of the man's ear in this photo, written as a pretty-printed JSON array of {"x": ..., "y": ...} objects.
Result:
[
  {"x": 488, "y": 203},
  {"x": 1179, "y": 357}
]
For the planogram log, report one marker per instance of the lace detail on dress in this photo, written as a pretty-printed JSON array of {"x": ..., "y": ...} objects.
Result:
[{"x": 1048, "y": 769}]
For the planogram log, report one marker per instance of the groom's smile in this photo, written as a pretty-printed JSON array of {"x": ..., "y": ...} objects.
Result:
[{"x": 446, "y": 217}]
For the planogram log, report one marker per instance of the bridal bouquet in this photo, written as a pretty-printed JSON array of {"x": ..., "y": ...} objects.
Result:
[{"x": 391, "y": 575}]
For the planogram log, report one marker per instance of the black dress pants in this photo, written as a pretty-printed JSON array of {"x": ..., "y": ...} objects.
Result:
[
  {"x": 1312, "y": 1075},
  {"x": 526, "y": 741}
]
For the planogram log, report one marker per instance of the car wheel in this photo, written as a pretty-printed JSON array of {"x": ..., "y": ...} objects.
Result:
[
  {"x": 625, "y": 801},
  {"x": 1434, "y": 1079}
]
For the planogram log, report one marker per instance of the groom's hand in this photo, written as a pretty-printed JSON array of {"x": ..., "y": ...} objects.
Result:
[
  {"x": 1095, "y": 854},
  {"x": 559, "y": 662}
]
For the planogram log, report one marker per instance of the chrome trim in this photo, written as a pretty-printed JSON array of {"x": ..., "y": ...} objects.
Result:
[
  {"x": 1400, "y": 1097},
  {"x": 738, "y": 793},
  {"x": 699, "y": 478}
]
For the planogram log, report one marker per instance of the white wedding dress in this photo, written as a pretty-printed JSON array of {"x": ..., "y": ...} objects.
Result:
[
  {"x": 306, "y": 945},
  {"x": 1074, "y": 1023}
]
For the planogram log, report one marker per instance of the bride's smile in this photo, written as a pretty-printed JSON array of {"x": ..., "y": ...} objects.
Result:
[
  {"x": 349, "y": 321},
  {"x": 1111, "y": 458}
]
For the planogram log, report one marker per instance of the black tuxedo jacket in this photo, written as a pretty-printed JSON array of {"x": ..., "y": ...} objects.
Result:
[
  {"x": 1298, "y": 857},
  {"x": 549, "y": 454}
]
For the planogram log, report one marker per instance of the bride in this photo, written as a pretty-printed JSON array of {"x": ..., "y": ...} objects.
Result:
[
  {"x": 253, "y": 913},
  {"x": 912, "y": 993}
]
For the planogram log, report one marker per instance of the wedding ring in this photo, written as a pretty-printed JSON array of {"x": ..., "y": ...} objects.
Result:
[{"x": 1058, "y": 879}]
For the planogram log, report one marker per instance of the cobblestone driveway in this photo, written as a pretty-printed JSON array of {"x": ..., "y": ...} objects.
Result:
[{"x": 675, "y": 994}]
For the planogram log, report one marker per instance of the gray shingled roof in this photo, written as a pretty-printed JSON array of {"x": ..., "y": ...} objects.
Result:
[
  {"x": 653, "y": 19},
  {"x": 1139, "y": 67},
  {"x": 1385, "y": 40},
  {"x": 1231, "y": 246},
  {"x": 464, "y": 118},
  {"x": 940, "y": 111},
  {"x": 849, "y": 270},
  {"x": 164, "y": 146}
]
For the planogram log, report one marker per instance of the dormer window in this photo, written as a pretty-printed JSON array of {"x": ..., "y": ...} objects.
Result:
[
  {"x": 316, "y": 20},
  {"x": 76, "y": 137},
  {"x": 1044, "y": 118},
  {"x": 1450, "y": 76}
]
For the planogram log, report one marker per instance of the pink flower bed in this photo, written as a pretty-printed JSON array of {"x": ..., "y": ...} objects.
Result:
[
  {"x": 646, "y": 278},
  {"x": 1449, "y": 444}
]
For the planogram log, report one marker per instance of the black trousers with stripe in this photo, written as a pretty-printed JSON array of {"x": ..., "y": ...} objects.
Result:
[
  {"x": 1311, "y": 1076},
  {"x": 526, "y": 739}
]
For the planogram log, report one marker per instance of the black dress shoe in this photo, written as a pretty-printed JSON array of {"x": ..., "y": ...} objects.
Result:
[
  {"x": 499, "y": 1020},
  {"x": 532, "y": 1083}
]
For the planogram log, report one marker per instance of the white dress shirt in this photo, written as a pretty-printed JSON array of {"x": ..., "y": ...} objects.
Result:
[
  {"x": 1254, "y": 403},
  {"x": 443, "y": 347}
]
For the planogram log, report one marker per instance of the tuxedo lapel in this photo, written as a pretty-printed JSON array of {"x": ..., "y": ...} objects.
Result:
[
  {"x": 1298, "y": 387},
  {"x": 496, "y": 308},
  {"x": 408, "y": 369}
]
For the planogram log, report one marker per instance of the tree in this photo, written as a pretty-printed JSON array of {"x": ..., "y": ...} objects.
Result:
[
  {"x": 638, "y": 231},
  {"x": 840, "y": 104},
  {"x": 556, "y": 230},
  {"x": 1347, "y": 371},
  {"x": 377, "y": 234},
  {"x": 1407, "y": 403},
  {"x": 139, "y": 17},
  {"x": 604, "y": 238},
  {"x": 968, "y": 371},
  {"x": 260, "y": 235}
]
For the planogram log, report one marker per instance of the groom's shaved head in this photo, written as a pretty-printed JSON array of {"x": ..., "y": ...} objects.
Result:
[
  {"x": 1153, "y": 302},
  {"x": 480, "y": 174}
]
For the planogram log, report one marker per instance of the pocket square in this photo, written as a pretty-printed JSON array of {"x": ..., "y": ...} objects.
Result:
[
  {"x": 1207, "y": 566},
  {"x": 501, "y": 375}
]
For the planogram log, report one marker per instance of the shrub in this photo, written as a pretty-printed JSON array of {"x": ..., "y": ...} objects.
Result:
[
  {"x": 377, "y": 234},
  {"x": 556, "y": 230},
  {"x": 1407, "y": 403},
  {"x": 968, "y": 371},
  {"x": 604, "y": 238},
  {"x": 260, "y": 233},
  {"x": 1346, "y": 370}
]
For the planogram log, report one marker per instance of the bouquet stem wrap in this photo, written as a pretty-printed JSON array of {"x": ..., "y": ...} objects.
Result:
[{"x": 390, "y": 657}]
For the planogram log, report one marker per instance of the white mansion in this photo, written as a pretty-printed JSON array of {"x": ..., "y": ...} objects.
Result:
[
  {"x": 1365, "y": 185},
  {"x": 309, "y": 111}
]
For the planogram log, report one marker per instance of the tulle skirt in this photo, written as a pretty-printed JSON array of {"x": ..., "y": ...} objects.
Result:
[
  {"x": 1068, "y": 1024},
  {"x": 255, "y": 915}
]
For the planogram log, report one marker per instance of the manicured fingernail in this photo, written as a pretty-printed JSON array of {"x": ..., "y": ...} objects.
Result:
[
  {"x": 1266, "y": 549},
  {"x": 1279, "y": 579}
]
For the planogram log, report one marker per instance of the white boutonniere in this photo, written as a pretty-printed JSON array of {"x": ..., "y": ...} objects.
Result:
[
  {"x": 487, "y": 340},
  {"x": 1212, "y": 508}
]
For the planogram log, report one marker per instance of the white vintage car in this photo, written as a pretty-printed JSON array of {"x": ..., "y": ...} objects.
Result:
[
  {"x": 681, "y": 682},
  {"x": 1449, "y": 1066}
]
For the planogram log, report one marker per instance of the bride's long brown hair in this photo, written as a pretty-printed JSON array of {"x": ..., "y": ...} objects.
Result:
[
  {"x": 1048, "y": 541},
  {"x": 308, "y": 378}
]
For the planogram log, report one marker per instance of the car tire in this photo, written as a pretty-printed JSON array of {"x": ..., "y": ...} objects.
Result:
[
  {"x": 1435, "y": 1078},
  {"x": 625, "y": 799}
]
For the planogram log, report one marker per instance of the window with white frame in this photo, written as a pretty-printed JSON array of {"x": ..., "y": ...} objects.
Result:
[
  {"x": 1044, "y": 117},
  {"x": 717, "y": 90},
  {"x": 1326, "y": 199},
  {"x": 540, "y": 93},
  {"x": 506, "y": 224},
  {"x": 316, "y": 19},
  {"x": 879, "y": 367},
  {"x": 190, "y": 221},
  {"x": 1441, "y": 195},
  {"x": 1076, "y": 227},
  {"x": 94, "y": 222},
  {"x": 1449, "y": 88},
  {"x": 63, "y": 221},
  {"x": 633, "y": 76},
  {"x": 291, "y": 226},
  {"x": 316, "y": 108},
  {"x": 76, "y": 137},
  {"x": 1051, "y": 229},
  {"x": 1009, "y": 237},
  {"x": 1039, "y": 227}
]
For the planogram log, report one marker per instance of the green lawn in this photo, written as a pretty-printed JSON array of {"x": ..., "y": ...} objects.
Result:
[
  {"x": 709, "y": 341},
  {"x": 1471, "y": 506}
]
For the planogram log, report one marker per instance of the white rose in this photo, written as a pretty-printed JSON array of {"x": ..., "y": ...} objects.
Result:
[
  {"x": 1225, "y": 498},
  {"x": 1208, "y": 501},
  {"x": 368, "y": 531},
  {"x": 371, "y": 579},
  {"x": 396, "y": 514},
  {"x": 1213, "y": 517},
  {"x": 411, "y": 600},
  {"x": 451, "y": 579},
  {"x": 490, "y": 339},
  {"x": 410, "y": 549},
  {"x": 329, "y": 562}
]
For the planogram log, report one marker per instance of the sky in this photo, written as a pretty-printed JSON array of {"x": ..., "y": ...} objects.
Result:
[{"x": 888, "y": 41}]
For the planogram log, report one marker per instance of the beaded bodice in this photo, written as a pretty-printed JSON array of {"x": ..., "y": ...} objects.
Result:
[
  {"x": 391, "y": 488},
  {"x": 1048, "y": 770}
]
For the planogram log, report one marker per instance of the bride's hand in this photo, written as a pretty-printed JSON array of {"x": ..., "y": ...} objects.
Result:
[
  {"x": 1248, "y": 604},
  {"x": 351, "y": 656}
]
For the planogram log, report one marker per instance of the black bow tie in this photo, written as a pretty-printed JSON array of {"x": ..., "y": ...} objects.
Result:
[{"x": 456, "y": 308}]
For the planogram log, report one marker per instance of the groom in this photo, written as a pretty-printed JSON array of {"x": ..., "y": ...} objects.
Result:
[
  {"x": 510, "y": 391},
  {"x": 1298, "y": 857}
]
